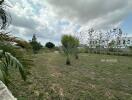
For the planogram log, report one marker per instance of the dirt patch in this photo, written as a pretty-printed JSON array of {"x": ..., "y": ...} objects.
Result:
[
  {"x": 55, "y": 72},
  {"x": 57, "y": 89}
]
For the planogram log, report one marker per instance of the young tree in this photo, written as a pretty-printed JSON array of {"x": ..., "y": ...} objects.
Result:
[
  {"x": 70, "y": 45},
  {"x": 107, "y": 39},
  {"x": 79, "y": 40},
  {"x": 75, "y": 46},
  {"x": 100, "y": 40},
  {"x": 36, "y": 46},
  {"x": 118, "y": 35},
  {"x": 90, "y": 37}
]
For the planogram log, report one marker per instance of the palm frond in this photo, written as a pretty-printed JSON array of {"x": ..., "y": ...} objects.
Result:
[
  {"x": 4, "y": 78},
  {"x": 12, "y": 61},
  {"x": 11, "y": 39},
  {"x": 5, "y": 17},
  {"x": 8, "y": 56},
  {"x": 19, "y": 53},
  {"x": 6, "y": 37},
  {"x": 1, "y": 75},
  {"x": 1, "y": 2},
  {"x": 8, "y": 61}
]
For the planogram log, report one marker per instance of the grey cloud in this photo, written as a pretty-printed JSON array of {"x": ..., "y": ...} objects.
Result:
[
  {"x": 43, "y": 35},
  {"x": 83, "y": 11},
  {"x": 22, "y": 21},
  {"x": 101, "y": 13}
]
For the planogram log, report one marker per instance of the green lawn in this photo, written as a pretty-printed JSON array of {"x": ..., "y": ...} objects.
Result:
[{"x": 92, "y": 77}]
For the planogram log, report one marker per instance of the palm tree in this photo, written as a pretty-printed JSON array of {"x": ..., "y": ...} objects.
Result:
[
  {"x": 75, "y": 46},
  {"x": 4, "y": 16},
  {"x": 9, "y": 54},
  {"x": 70, "y": 45},
  {"x": 12, "y": 56}
]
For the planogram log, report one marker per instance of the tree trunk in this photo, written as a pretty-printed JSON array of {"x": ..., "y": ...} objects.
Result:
[
  {"x": 68, "y": 60},
  {"x": 76, "y": 56}
]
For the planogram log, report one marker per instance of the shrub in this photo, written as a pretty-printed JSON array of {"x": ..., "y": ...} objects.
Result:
[
  {"x": 49, "y": 45},
  {"x": 36, "y": 46}
]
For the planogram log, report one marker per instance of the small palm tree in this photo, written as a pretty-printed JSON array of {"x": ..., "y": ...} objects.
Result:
[
  {"x": 75, "y": 46},
  {"x": 70, "y": 45}
]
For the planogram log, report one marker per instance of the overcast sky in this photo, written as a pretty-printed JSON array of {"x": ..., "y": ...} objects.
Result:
[{"x": 49, "y": 19}]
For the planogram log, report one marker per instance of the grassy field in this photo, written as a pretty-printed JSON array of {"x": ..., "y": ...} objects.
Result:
[{"x": 92, "y": 77}]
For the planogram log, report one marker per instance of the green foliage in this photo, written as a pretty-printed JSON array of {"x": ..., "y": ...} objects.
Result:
[
  {"x": 5, "y": 37},
  {"x": 8, "y": 61},
  {"x": 69, "y": 41},
  {"x": 50, "y": 45},
  {"x": 36, "y": 46},
  {"x": 18, "y": 52},
  {"x": 12, "y": 56},
  {"x": 8, "y": 51},
  {"x": 76, "y": 51},
  {"x": 70, "y": 45},
  {"x": 5, "y": 18}
]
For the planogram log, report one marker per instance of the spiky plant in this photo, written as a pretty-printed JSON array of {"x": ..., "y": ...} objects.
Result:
[
  {"x": 75, "y": 47},
  {"x": 70, "y": 45},
  {"x": 10, "y": 55},
  {"x": 5, "y": 17},
  {"x": 8, "y": 61}
]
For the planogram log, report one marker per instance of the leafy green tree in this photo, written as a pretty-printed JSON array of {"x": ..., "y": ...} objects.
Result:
[
  {"x": 70, "y": 45},
  {"x": 50, "y": 45},
  {"x": 36, "y": 46}
]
